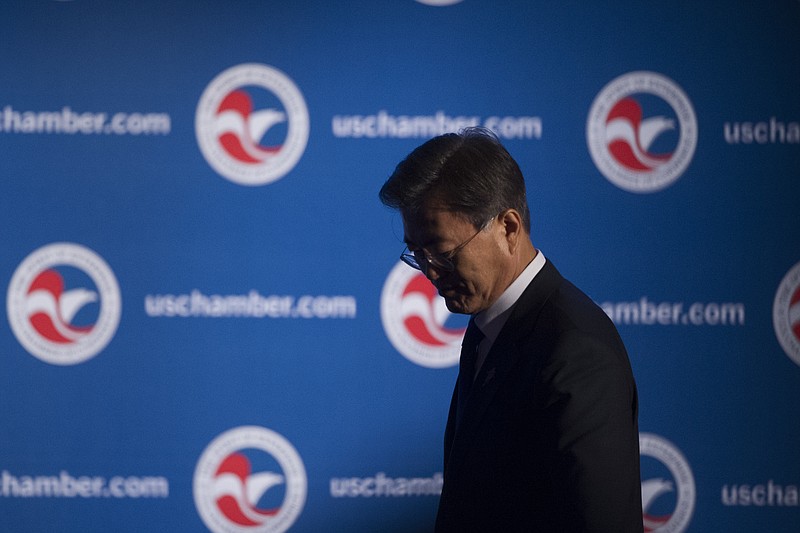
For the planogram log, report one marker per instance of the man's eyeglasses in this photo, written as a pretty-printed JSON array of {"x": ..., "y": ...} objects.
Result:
[{"x": 420, "y": 259}]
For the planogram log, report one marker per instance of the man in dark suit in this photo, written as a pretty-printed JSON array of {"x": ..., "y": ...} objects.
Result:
[{"x": 542, "y": 434}]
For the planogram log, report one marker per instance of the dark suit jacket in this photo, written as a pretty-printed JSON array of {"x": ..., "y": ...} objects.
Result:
[{"x": 549, "y": 440}]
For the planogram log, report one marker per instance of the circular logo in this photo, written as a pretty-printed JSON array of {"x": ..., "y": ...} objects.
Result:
[
  {"x": 63, "y": 304},
  {"x": 252, "y": 124},
  {"x": 249, "y": 479},
  {"x": 439, "y": 2},
  {"x": 668, "y": 491},
  {"x": 786, "y": 313},
  {"x": 417, "y": 321},
  {"x": 641, "y": 132}
]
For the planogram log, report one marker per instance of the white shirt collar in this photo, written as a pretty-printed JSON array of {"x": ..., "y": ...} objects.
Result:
[{"x": 492, "y": 320}]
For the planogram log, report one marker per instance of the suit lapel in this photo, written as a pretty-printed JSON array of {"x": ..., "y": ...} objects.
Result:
[{"x": 502, "y": 359}]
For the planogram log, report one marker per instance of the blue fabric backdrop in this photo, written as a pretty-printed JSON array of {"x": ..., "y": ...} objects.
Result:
[{"x": 206, "y": 322}]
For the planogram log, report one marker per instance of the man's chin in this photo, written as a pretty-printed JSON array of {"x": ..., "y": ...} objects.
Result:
[{"x": 456, "y": 306}]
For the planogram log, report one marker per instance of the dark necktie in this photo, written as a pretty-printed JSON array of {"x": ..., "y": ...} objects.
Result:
[{"x": 466, "y": 369}]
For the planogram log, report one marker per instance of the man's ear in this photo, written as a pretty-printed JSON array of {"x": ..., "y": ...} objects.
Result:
[{"x": 510, "y": 222}]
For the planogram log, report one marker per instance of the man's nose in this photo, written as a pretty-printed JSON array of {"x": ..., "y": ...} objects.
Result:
[{"x": 430, "y": 271}]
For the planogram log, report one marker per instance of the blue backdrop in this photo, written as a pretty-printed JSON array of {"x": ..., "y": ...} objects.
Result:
[{"x": 207, "y": 326}]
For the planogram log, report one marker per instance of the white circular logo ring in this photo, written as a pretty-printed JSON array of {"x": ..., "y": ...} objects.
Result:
[
  {"x": 669, "y": 455},
  {"x": 786, "y": 314},
  {"x": 230, "y": 129},
  {"x": 619, "y": 136},
  {"x": 41, "y": 308},
  {"x": 438, "y": 3},
  {"x": 414, "y": 317},
  {"x": 227, "y": 491}
]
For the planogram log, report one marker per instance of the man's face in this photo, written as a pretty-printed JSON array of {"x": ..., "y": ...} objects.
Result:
[{"x": 483, "y": 268}]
